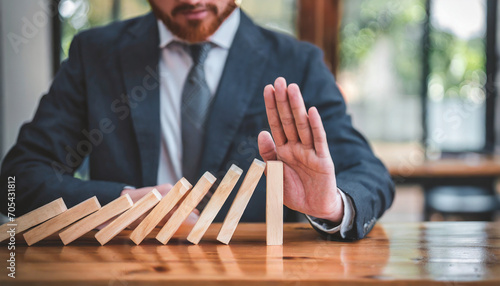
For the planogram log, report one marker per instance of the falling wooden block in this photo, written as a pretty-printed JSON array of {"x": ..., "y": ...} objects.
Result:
[
  {"x": 274, "y": 203},
  {"x": 92, "y": 221},
  {"x": 186, "y": 207},
  {"x": 241, "y": 200},
  {"x": 215, "y": 203},
  {"x": 61, "y": 221},
  {"x": 128, "y": 217},
  {"x": 160, "y": 211},
  {"x": 33, "y": 218}
]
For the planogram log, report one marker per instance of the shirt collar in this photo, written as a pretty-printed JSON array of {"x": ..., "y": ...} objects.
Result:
[{"x": 223, "y": 37}]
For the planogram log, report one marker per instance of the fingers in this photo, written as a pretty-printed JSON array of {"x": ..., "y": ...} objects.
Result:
[
  {"x": 273, "y": 116},
  {"x": 318, "y": 133},
  {"x": 290, "y": 122},
  {"x": 194, "y": 214},
  {"x": 284, "y": 110},
  {"x": 300, "y": 116},
  {"x": 267, "y": 149},
  {"x": 192, "y": 218},
  {"x": 168, "y": 215},
  {"x": 135, "y": 223},
  {"x": 137, "y": 194},
  {"x": 164, "y": 189}
]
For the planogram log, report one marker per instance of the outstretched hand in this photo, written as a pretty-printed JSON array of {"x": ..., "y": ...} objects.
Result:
[{"x": 300, "y": 143}]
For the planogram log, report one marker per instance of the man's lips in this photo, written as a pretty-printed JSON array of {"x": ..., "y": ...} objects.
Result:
[{"x": 195, "y": 14}]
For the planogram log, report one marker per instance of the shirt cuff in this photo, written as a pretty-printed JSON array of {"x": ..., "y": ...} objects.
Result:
[{"x": 347, "y": 221}]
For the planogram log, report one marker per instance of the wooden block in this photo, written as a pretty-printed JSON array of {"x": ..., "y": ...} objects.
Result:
[
  {"x": 274, "y": 203},
  {"x": 92, "y": 221},
  {"x": 31, "y": 219},
  {"x": 186, "y": 207},
  {"x": 160, "y": 211},
  {"x": 61, "y": 221},
  {"x": 128, "y": 217},
  {"x": 241, "y": 200},
  {"x": 215, "y": 203}
]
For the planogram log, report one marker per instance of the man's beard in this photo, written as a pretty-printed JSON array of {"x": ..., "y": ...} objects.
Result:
[{"x": 196, "y": 30}]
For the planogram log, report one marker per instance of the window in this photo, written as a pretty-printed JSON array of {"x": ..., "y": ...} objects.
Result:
[
  {"x": 278, "y": 15},
  {"x": 416, "y": 71},
  {"x": 456, "y": 97},
  {"x": 77, "y": 15},
  {"x": 381, "y": 66}
]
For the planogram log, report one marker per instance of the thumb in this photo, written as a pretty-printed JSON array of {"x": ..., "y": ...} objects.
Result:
[{"x": 267, "y": 148}]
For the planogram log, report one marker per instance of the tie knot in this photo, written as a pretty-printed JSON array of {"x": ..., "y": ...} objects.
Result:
[{"x": 199, "y": 52}]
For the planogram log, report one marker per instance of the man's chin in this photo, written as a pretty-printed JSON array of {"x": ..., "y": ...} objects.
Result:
[
  {"x": 195, "y": 30},
  {"x": 195, "y": 36}
]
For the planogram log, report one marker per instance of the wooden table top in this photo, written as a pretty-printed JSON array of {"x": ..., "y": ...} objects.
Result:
[
  {"x": 409, "y": 161},
  {"x": 447, "y": 253},
  {"x": 481, "y": 167}
]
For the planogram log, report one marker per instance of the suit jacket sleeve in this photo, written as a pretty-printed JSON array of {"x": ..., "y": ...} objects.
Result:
[
  {"x": 360, "y": 175},
  {"x": 51, "y": 147}
]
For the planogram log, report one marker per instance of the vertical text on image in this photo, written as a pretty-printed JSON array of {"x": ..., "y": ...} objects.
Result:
[{"x": 11, "y": 210}]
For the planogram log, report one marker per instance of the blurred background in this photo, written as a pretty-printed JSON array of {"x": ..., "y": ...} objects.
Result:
[{"x": 419, "y": 78}]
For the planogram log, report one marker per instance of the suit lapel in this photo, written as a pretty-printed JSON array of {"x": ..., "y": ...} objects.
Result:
[
  {"x": 139, "y": 54},
  {"x": 243, "y": 69}
]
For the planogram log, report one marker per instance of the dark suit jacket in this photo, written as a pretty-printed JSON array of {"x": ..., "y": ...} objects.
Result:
[{"x": 104, "y": 101}]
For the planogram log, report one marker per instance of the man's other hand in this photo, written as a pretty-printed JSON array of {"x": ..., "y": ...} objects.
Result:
[{"x": 137, "y": 194}]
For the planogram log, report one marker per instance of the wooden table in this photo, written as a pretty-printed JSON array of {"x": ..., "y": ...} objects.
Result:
[
  {"x": 447, "y": 168},
  {"x": 399, "y": 254},
  {"x": 408, "y": 165},
  {"x": 408, "y": 161}
]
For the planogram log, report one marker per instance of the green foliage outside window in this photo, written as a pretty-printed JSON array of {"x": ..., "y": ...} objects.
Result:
[{"x": 364, "y": 22}]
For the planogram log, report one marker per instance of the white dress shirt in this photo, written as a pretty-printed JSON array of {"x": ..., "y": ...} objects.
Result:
[{"x": 174, "y": 65}]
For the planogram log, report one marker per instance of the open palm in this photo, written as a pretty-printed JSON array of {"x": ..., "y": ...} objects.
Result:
[{"x": 300, "y": 142}]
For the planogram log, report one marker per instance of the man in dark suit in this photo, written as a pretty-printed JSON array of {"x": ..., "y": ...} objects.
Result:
[{"x": 152, "y": 99}]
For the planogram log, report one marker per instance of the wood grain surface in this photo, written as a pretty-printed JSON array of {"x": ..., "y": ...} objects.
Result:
[
  {"x": 241, "y": 200},
  {"x": 107, "y": 212},
  {"x": 216, "y": 201},
  {"x": 33, "y": 218},
  {"x": 445, "y": 253},
  {"x": 274, "y": 203},
  {"x": 125, "y": 219},
  {"x": 186, "y": 207},
  {"x": 167, "y": 203},
  {"x": 62, "y": 220}
]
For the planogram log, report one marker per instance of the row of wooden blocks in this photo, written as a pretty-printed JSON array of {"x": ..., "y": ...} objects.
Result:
[{"x": 88, "y": 215}]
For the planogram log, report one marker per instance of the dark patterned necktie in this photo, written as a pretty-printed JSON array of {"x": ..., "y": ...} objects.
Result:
[{"x": 196, "y": 99}]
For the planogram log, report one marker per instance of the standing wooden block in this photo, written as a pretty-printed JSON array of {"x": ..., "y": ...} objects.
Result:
[
  {"x": 128, "y": 217},
  {"x": 61, "y": 221},
  {"x": 33, "y": 218},
  {"x": 215, "y": 203},
  {"x": 106, "y": 213},
  {"x": 160, "y": 211},
  {"x": 186, "y": 207},
  {"x": 274, "y": 203},
  {"x": 241, "y": 200}
]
